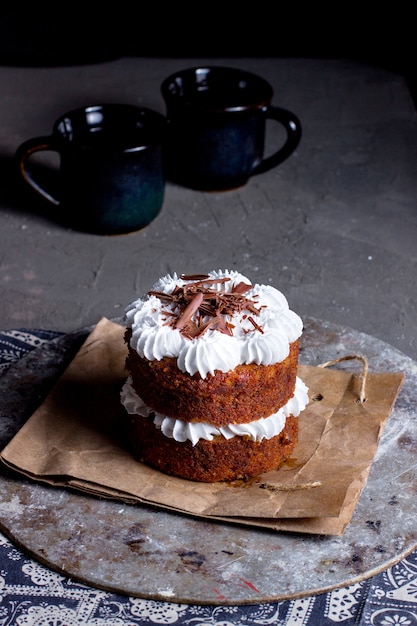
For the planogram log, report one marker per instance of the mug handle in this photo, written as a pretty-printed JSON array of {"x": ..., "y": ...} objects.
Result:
[
  {"x": 292, "y": 125},
  {"x": 23, "y": 152}
]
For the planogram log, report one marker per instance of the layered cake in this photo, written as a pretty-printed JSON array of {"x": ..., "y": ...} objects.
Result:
[{"x": 213, "y": 392}]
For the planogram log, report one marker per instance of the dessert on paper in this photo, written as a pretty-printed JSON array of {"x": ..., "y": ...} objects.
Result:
[{"x": 76, "y": 439}]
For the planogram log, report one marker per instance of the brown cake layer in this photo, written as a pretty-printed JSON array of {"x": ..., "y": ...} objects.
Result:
[
  {"x": 211, "y": 461},
  {"x": 242, "y": 395}
]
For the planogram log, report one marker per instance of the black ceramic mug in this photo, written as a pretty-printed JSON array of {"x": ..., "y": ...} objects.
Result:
[
  {"x": 110, "y": 178},
  {"x": 216, "y": 127}
]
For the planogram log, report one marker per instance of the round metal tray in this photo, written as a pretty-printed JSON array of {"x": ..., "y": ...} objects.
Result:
[{"x": 145, "y": 552}]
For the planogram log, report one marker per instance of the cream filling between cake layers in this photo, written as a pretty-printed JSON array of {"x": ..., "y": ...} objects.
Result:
[{"x": 181, "y": 431}]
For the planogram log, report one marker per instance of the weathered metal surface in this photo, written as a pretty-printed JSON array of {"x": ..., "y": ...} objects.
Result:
[{"x": 145, "y": 552}]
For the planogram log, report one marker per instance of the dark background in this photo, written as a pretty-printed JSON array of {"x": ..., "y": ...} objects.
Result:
[{"x": 88, "y": 33}]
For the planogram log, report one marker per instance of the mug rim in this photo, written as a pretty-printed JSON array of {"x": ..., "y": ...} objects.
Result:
[
  {"x": 158, "y": 119},
  {"x": 260, "y": 103}
]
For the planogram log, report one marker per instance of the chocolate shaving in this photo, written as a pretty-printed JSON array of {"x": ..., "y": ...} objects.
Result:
[
  {"x": 242, "y": 288},
  {"x": 190, "y": 330},
  {"x": 198, "y": 305},
  {"x": 189, "y": 310},
  {"x": 254, "y": 324},
  {"x": 194, "y": 276}
]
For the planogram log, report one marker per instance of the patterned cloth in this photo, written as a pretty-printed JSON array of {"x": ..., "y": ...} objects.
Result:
[
  {"x": 16, "y": 343},
  {"x": 33, "y": 595}
]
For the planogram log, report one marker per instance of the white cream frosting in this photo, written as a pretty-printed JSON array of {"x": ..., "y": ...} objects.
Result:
[
  {"x": 180, "y": 430},
  {"x": 214, "y": 350}
]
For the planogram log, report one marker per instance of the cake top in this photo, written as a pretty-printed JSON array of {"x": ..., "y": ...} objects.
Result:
[{"x": 214, "y": 321}]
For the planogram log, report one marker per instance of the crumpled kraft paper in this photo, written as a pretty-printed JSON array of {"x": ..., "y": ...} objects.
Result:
[{"x": 76, "y": 439}]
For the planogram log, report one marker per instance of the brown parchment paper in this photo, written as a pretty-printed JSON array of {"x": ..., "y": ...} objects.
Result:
[{"x": 76, "y": 439}]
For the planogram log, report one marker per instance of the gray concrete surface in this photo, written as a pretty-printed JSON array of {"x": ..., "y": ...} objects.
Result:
[{"x": 334, "y": 227}]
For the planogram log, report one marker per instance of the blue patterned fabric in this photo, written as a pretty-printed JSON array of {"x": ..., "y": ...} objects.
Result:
[
  {"x": 34, "y": 595},
  {"x": 16, "y": 343}
]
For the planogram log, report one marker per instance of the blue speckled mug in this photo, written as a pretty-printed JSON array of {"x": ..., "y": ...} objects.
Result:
[
  {"x": 111, "y": 178},
  {"x": 216, "y": 127}
]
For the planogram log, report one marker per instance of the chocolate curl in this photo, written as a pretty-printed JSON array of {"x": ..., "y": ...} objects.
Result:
[
  {"x": 194, "y": 277},
  {"x": 254, "y": 324},
  {"x": 241, "y": 288},
  {"x": 189, "y": 311}
]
